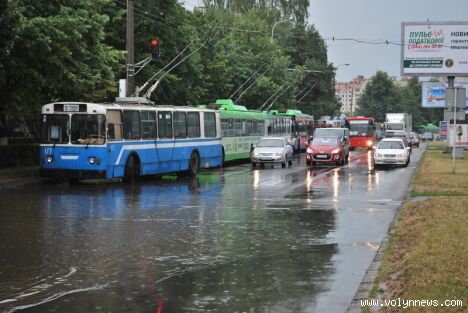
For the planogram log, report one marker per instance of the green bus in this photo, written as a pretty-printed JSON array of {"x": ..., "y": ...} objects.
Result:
[
  {"x": 300, "y": 128},
  {"x": 240, "y": 129}
]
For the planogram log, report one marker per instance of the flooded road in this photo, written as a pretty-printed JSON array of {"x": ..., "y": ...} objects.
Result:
[{"x": 233, "y": 240}]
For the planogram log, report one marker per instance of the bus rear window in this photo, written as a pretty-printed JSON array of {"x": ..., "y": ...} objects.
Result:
[
  {"x": 88, "y": 129},
  {"x": 54, "y": 128}
]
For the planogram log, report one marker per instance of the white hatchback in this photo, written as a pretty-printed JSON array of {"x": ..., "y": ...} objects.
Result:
[{"x": 391, "y": 151}]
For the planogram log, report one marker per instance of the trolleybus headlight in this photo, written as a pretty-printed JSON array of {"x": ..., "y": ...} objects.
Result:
[
  {"x": 369, "y": 143},
  {"x": 92, "y": 160},
  {"x": 50, "y": 158}
]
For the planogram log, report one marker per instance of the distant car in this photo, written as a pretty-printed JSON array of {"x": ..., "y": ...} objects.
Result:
[
  {"x": 326, "y": 150},
  {"x": 414, "y": 140},
  {"x": 427, "y": 136},
  {"x": 272, "y": 150},
  {"x": 392, "y": 151}
]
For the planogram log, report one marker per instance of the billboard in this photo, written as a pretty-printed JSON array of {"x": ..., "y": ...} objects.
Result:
[
  {"x": 433, "y": 95},
  {"x": 434, "y": 49}
]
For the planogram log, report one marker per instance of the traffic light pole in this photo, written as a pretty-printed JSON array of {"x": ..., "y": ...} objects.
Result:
[{"x": 130, "y": 51}]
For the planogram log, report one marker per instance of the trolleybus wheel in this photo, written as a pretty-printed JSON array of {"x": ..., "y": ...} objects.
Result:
[
  {"x": 194, "y": 164},
  {"x": 132, "y": 170}
]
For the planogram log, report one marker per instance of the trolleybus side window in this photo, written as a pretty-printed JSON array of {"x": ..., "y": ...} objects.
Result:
[
  {"x": 148, "y": 125},
  {"x": 261, "y": 128},
  {"x": 249, "y": 127},
  {"x": 131, "y": 124},
  {"x": 193, "y": 124},
  {"x": 238, "y": 128},
  {"x": 165, "y": 124},
  {"x": 210, "y": 125},
  {"x": 180, "y": 125},
  {"x": 114, "y": 125},
  {"x": 88, "y": 129},
  {"x": 54, "y": 128}
]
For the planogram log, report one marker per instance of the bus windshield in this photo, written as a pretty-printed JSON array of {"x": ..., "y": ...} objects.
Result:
[
  {"x": 54, "y": 128},
  {"x": 360, "y": 130},
  {"x": 88, "y": 129}
]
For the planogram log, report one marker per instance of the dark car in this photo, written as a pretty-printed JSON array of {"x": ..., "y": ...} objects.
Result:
[
  {"x": 427, "y": 136},
  {"x": 414, "y": 140}
]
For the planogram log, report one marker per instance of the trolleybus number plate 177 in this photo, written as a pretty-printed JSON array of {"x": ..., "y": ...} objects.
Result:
[{"x": 71, "y": 108}]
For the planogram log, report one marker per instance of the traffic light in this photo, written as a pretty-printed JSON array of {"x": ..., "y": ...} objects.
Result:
[{"x": 153, "y": 45}]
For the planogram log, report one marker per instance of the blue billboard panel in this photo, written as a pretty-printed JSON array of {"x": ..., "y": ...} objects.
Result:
[{"x": 433, "y": 94}]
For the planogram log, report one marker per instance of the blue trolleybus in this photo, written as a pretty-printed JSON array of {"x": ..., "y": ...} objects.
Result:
[{"x": 127, "y": 139}]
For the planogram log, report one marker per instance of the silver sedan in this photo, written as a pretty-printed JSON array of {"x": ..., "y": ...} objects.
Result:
[{"x": 272, "y": 150}]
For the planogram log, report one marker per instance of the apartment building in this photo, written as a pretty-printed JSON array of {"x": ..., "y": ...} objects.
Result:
[{"x": 349, "y": 94}]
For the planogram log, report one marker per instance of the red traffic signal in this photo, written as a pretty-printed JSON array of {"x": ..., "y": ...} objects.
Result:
[{"x": 154, "y": 47}]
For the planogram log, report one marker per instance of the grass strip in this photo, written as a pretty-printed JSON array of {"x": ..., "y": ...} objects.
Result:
[{"x": 427, "y": 253}]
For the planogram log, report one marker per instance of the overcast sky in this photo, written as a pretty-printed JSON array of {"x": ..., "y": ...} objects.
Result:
[{"x": 370, "y": 20}]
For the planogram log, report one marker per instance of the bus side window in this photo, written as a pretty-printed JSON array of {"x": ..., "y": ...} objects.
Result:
[
  {"x": 165, "y": 124},
  {"x": 210, "y": 125},
  {"x": 131, "y": 124},
  {"x": 114, "y": 125},
  {"x": 193, "y": 124}
]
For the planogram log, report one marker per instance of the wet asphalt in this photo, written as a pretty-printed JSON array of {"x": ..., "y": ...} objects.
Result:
[{"x": 233, "y": 240}]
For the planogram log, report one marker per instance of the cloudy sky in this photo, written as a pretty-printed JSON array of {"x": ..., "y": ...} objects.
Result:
[{"x": 372, "y": 20}]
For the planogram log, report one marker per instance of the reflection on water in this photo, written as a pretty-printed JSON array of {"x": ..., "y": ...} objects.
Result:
[{"x": 165, "y": 246}]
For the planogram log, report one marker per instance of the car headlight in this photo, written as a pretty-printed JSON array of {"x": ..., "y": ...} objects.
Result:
[
  {"x": 370, "y": 143},
  {"x": 378, "y": 155},
  {"x": 402, "y": 155},
  {"x": 50, "y": 158},
  {"x": 309, "y": 150},
  {"x": 336, "y": 150},
  {"x": 256, "y": 154},
  {"x": 278, "y": 154}
]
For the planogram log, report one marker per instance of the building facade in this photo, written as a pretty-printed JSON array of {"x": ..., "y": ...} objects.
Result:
[{"x": 349, "y": 94}]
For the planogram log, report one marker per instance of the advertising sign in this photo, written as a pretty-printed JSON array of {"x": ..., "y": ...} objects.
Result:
[
  {"x": 433, "y": 95},
  {"x": 443, "y": 130},
  {"x": 461, "y": 135},
  {"x": 434, "y": 49}
]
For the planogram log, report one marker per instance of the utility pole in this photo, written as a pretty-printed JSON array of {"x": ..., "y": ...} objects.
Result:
[{"x": 130, "y": 51}]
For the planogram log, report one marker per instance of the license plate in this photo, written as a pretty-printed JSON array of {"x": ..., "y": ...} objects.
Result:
[
  {"x": 390, "y": 160},
  {"x": 321, "y": 156}
]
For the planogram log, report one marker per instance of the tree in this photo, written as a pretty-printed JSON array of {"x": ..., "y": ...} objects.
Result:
[{"x": 379, "y": 97}]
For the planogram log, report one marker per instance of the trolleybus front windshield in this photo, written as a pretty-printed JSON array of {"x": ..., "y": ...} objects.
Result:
[{"x": 88, "y": 129}]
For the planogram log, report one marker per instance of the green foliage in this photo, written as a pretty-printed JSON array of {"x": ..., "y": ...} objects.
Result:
[
  {"x": 75, "y": 51},
  {"x": 382, "y": 96}
]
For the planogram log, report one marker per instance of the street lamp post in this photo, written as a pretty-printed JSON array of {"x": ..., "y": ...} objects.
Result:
[{"x": 273, "y": 28}]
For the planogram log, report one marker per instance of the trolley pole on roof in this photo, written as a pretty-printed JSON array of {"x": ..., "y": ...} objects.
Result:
[{"x": 130, "y": 51}]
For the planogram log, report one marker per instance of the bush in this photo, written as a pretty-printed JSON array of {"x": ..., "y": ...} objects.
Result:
[{"x": 19, "y": 155}]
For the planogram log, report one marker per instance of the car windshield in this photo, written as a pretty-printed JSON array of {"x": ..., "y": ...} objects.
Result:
[
  {"x": 271, "y": 143},
  {"x": 325, "y": 141},
  {"x": 391, "y": 145},
  {"x": 325, "y": 132},
  {"x": 427, "y": 134}
]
